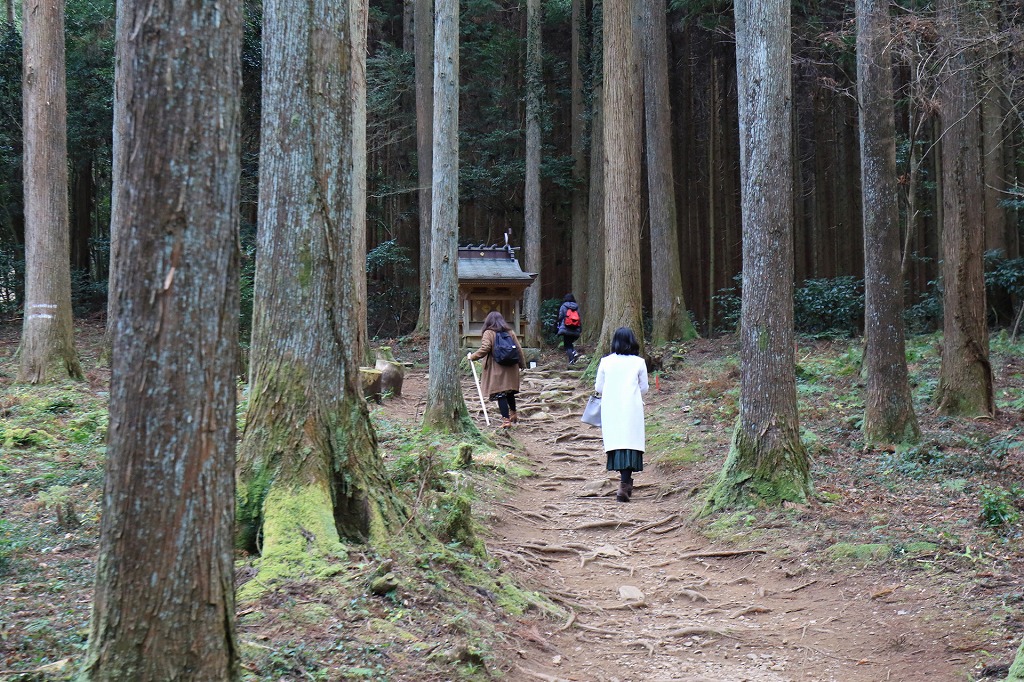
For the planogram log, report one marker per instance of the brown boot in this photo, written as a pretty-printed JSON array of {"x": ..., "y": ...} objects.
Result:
[
  {"x": 513, "y": 417},
  {"x": 622, "y": 495},
  {"x": 505, "y": 423}
]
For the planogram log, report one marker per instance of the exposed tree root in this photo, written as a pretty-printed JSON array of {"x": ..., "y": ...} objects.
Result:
[{"x": 722, "y": 553}]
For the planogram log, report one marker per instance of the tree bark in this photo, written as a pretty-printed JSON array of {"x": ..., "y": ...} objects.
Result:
[
  {"x": 580, "y": 148},
  {"x": 767, "y": 462},
  {"x": 531, "y": 200},
  {"x": 594, "y": 312},
  {"x": 623, "y": 305},
  {"x": 668, "y": 308},
  {"x": 83, "y": 194},
  {"x": 446, "y": 408},
  {"x": 965, "y": 376},
  {"x": 889, "y": 411},
  {"x": 423, "y": 25},
  {"x": 47, "y": 335},
  {"x": 309, "y": 471},
  {"x": 164, "y": 600}
]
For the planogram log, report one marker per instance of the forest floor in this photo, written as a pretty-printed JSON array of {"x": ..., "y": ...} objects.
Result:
[{"x": 906, "y": 565}]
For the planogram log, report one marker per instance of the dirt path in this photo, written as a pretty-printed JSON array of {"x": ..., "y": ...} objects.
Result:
[{"x": 650, "y": 600}]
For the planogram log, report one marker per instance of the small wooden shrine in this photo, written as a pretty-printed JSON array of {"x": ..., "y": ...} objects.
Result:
[{"x": 490, "y": 279}]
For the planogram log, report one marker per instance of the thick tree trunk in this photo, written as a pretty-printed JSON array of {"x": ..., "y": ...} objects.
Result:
[
  {"x": 47, "y": 335},
  {"x": 446, "y": 408},
  {"x": 164, "y": 600},
  {"x": 309, "y": 472},
  {"x": 623, "y": 305},
  {"x": 531, "y": 202},
  {"x": 965, "y": 376},
  {"x": 424, "y": 63},
  {"x": 122, "y": 52},
  {"x": 580, "y": 148},
  {"x": 593, "y": 314},
  {"x": 671, "y": 317},
  {"x": 767, "y": 462},
  {"x": 889, "y": 411}
]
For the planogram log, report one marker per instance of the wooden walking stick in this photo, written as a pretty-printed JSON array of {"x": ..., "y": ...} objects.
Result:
[{"x": 479, "y": 392}]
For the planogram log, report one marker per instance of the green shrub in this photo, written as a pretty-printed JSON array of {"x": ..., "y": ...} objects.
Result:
[
  {"x": 829, "y": 307},
  {"x": 998, "y": 508},
  {"x": 549, "y": 319}
]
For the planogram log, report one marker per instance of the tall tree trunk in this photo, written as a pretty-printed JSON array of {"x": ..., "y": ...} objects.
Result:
[
  {"x": 10, "y": 12},
  {"x": 889, "y": 410},
  {"x": 767, "y": 462},
  {"x": 81, "y": 232},
  {"x": 309, "y": 472},
  {"x": 593, "y": 314},
  {"x": 164, "y": 601},
  {"x": 47, "y": 334},
  {"x": 446, "y": 408},
  {"x": 423, "y": 25},
  {"x": 965, "y": 376},
  {"x": 992, "y": 137},
  {"x": 580, "y": 147},
  {"x": 531, "y": 202},
  {"x": 623, "y": 305},
  {"x": 671, "y": 317}
]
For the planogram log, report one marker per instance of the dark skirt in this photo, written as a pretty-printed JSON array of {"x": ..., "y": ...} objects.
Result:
[{"x": 625, "y": 459}]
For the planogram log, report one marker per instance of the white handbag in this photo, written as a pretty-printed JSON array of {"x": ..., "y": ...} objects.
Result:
[{"x": 592, "y": 412}]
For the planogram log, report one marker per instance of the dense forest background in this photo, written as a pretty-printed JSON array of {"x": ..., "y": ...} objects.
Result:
[{"x": 702, "y": 71}]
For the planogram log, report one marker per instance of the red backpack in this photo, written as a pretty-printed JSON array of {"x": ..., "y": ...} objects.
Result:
[{"x": 572, "y": 319}]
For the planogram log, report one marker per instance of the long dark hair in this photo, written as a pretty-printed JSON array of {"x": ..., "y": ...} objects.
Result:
[
  {"x": 495, "y": 322},
  {"x": 624, "y": 342}
]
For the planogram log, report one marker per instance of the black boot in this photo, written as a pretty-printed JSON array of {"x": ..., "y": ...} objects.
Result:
[{"x": 623, "y": 493}]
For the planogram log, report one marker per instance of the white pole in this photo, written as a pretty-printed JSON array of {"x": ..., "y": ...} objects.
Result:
[{"x": 479, "y": 392}]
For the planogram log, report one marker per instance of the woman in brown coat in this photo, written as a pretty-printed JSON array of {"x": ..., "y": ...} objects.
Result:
[{"x": 499, "y": 382}]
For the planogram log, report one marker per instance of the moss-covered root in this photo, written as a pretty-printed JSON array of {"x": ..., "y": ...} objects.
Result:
[
  {"x": 761, "y": 472},
  {"x": 300, "y": 538},
  {"x": 1017, "y": 669}
]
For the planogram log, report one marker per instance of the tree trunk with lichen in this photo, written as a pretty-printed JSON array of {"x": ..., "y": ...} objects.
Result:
[
  {"x": 531, "y": 199},
  {"x": 965, "y": 376},
  {"x": 889, "y": 410},
  {"x": 164, "y": 603},
  {"x": 47, "y": 348},
  {"x": 671, "y": 319},
  {"x": 310, "y": 474},
  {"x": 622, "y": 125},
  {"x": 446, "y": 408},
  {"x": 767, "y": 462},
  {"x": 423, "y": 45}
]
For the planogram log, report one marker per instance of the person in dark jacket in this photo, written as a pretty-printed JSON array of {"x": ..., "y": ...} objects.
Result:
[
  {"x": 499, "y": 382},
  {"x": 569, "y": 333}
]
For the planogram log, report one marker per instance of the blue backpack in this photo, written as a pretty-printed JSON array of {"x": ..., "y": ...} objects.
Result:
[{"x": 505, "y": 350}]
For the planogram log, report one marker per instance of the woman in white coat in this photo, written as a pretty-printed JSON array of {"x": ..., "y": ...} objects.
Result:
[{"x": 621, "y": 378}]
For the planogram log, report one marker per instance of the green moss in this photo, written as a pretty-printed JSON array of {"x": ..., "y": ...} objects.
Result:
[
  {"x": 756, "y": 476},
  {"x": 26, "y": 438},
  {"x": 847, "y": 551},
  {"x": 299, "y": 538},
  {"x": 919, "y": 548}
]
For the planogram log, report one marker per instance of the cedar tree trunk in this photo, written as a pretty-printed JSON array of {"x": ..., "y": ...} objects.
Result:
[
  {"x": 767, "y": 462},
  {"x": 164, "y": 600}
]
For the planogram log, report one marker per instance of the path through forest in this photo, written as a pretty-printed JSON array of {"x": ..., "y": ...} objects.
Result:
[{"x": 649, "y": 599}]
